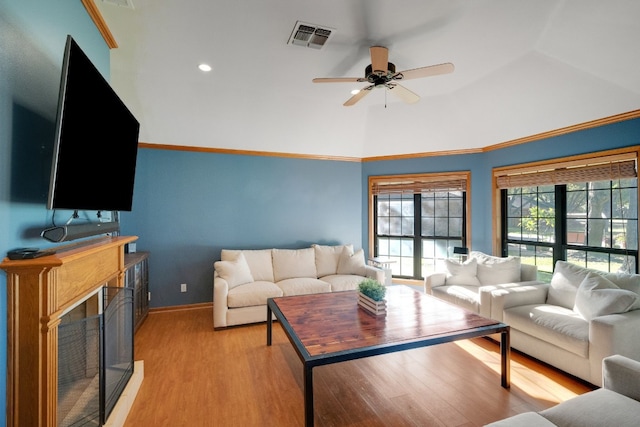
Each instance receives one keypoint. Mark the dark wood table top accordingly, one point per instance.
(331, 323)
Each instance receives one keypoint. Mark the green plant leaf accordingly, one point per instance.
(373, 289)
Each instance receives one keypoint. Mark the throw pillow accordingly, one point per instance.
(493, 270)
(327, 258)
(598, 296)
(461, 274)
(352, 262)
(235, 272)
(259, 260)
(564, 284)
(628, 281)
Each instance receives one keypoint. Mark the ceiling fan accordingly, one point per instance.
(381, 74)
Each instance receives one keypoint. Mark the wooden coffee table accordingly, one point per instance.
(330, 328)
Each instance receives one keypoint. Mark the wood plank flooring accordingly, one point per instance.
(195, 376)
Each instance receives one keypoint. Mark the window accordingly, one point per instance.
(417, 220)
(584, 211)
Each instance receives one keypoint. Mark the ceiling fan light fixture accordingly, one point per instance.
(354, 91)
(204, 67)
(381, 74)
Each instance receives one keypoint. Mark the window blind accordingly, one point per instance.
(417, 186)
(607, 171)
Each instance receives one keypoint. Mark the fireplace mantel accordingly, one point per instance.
(39, 290)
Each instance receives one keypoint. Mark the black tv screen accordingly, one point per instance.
(96, 145)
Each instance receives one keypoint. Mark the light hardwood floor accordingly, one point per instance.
(195, 376)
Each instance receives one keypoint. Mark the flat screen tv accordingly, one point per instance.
(96, 142)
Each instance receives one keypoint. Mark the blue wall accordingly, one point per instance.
(32, 39)
(190, 205)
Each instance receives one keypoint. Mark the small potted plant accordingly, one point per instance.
(371, 296)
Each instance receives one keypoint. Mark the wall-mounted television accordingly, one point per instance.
(96, 142)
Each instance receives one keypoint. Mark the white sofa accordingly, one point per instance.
(575, 321)
(617, 403)
(245, 279)
(469, 284)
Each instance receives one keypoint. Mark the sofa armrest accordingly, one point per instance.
(622, 375)
(220, 292)
(525, 293)
(375, 273)
(613, 334)
(432, 280)
(486, 296)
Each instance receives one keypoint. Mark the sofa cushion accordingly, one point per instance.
(327, 258)
(235, 272)
(343, 282)
(291, 263)
(598, 296)
(557, 325)
(595, 409)
(494, 270)
(463, 274)
(564, 284)
(467, 297)
(259, 261)
(251, 294)
(352, 262)
(303, 286)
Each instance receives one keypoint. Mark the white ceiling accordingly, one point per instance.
(523, 67)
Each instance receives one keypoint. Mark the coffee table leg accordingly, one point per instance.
(505, 356)
(308, 396)
(269, 324)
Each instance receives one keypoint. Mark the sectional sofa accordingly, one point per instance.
(245, 279)
(572, 323)
(617, 403)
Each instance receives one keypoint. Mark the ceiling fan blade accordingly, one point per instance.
(358, 96)
(432, 70)
(379, 59)
(339, 80)
(403, 93)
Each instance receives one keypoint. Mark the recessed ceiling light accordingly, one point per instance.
(204, 67)
(353, 92)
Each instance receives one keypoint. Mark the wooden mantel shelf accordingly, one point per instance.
(69, 252)
(39, 290)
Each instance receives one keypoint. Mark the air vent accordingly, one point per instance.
(310, 35)
(122, 3)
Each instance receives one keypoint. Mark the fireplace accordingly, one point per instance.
(95, 357)
(70, 336)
